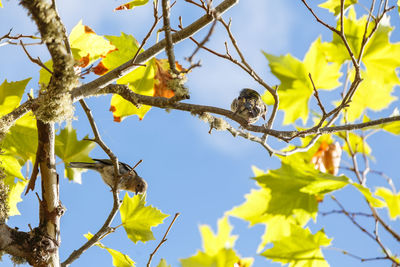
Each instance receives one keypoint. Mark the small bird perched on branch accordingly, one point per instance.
(129, 179)
(249, 105)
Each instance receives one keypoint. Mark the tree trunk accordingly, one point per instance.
(50, 206)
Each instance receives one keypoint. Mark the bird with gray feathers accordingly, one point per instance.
(129, 179)
(249, 105)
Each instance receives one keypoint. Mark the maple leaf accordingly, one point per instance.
(380, 60)
(87, 46)
(131, 5)
(302, 248)
(119, 259)
(138, 219)
(327, 158)
(392, 201)
(162, 77)
(296, 89)
(11, 94)
(69, 148)
(218, 248)
(334, 6)
(100, 69)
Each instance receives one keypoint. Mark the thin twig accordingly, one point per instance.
(104, 230)
(156, 20)
(16, 37)
(317, 96)
(204, 41)
(37, 60)
(169, 47)
(364, 38)
(352, 219)
(97, 138)
(202, 5)
(245, 66)
(353, 214)
(356, 256)
(354, 159)
(96, 85)
(318, 19)
(377, 21)
(366, 160)
(373, 210)
(357, 79)
(163, 240)
(387, 178)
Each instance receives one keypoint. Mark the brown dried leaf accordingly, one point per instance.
(100, 69)
(162, 77)
(84, 61)
(89, 30)
(327, 158)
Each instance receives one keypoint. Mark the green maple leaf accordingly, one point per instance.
(391, 127)
(254, 211)
(224, 258)
(138, 219)
(69, 148)
(12, 169)
(356, 143)
(131, 4)
(119, 259)
(398, 5)
(289, 195)
(163, 263)
(255, 207)
(218, 248)
(334, 5)
(380, 59)
(212, 243)
(375, 202)
(11, 94)
(126, 47)
(392, 201)
(44, 75)
(86, 43)
(140, 80)
(373, 93)
(296, 89)
(301, 248)
(14, 196)
(21, 140)
(297, 185)
(11, 166)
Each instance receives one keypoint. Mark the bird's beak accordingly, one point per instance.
(263, 116)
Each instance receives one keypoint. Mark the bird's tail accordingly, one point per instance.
(84, 165)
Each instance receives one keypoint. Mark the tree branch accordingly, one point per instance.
(163, 240)
(169, 48)
(98, 139)
(92, 87)
(15, 243)
(35, 60)
(373, 210)
(161, 102)
(344, 252)
(104, 230)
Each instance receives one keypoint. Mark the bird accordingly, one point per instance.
(249, 105)
(129, 179)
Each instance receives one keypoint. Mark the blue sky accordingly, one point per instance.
(188, 170)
